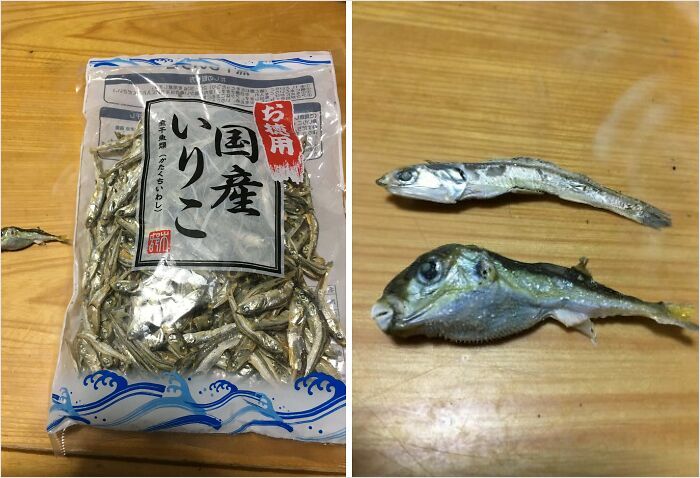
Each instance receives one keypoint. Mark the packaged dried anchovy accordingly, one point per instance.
(209, 273)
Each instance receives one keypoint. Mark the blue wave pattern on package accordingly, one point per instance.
(110, 400)
(278, 64)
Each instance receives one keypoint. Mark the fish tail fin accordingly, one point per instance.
(654, 217)
(677, 314)
(63, 239)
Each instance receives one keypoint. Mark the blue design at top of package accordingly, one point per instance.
(193, 61)
(128, 115)
(152, 406)
(203, 79)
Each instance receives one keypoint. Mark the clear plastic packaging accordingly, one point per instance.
(208, 295)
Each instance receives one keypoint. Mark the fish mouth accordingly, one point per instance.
(383, 315)
(411, 191)
(388, 319)
(383, 182)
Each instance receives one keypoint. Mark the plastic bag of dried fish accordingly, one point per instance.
(209, 250)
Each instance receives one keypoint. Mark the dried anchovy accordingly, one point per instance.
(15, 238)
(451, 182)
(191, 321)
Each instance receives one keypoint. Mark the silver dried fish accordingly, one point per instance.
(452, 182)
(172, 318)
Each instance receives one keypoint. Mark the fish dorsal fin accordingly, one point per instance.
(582, 267)
(528, 161)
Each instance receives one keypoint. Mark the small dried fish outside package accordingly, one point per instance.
(17, 239)
(209, 250)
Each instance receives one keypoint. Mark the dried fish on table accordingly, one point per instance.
(468, 294)
(172, 318)
(16, 238)
(451, 182)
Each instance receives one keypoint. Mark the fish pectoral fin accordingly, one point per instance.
(587, 329)
(575, 320)
(525, 191)
(582, 267)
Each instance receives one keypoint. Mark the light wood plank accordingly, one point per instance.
(19, 463)
(45, 47)
(606, 89)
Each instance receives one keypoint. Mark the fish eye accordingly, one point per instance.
(429, 271)
(406, 175)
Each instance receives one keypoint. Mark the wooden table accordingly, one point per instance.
(609, 90)
(44, 50)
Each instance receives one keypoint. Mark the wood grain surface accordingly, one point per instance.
(606, 89)
(45, 47)
(19, 463)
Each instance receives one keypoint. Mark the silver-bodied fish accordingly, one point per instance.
(208, 322)
(16, 238)
(469, 294)
(452, 182)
